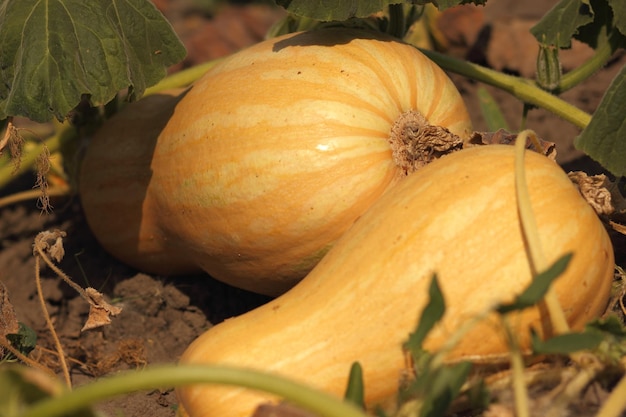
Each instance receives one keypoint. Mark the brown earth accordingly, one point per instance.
(162, 315)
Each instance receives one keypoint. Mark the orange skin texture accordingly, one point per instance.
(114, 186)
(458, 218)
(266, 161)
(292, 138)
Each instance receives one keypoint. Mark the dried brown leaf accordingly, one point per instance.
(604, 196)
(504, 137)
(593, 189)
(51, 243)
(100, 311)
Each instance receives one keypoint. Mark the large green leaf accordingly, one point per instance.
(328, 10)
(558, 26)
(619, 14)
(340, 10)
(604, 138)
(602, 28)
(55, 51)
(589, 21)
(444, 4)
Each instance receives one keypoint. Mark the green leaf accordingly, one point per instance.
(538, 287)
(432, 313)
(355, 391)
(329, 10)
(491, 111)
(436, 385)
(341, 10)
(597, 33)
(566, 343)
(445, 4)
(55, 51)
(619, 13)
(604, 138)
(558, 26)
(610, 325)
(24, 340)
(443, 386)
(613, 346)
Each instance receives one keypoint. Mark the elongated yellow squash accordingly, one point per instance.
(457, 218)
(268, 158)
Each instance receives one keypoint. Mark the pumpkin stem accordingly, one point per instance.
(416, 143)
(531, 233)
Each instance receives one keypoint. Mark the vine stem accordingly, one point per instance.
(41, 254)
(125, 383)
(46, 314)
(182, 78)
(523, 89)
(530, 231)
(56, 191)
(520, 392)
(396, 20)
(600, 57)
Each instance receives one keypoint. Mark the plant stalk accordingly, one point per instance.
(600, 57)
(397, 23)
(325, 405)
(56, 191)
(53, 333)
(537, 257)
(520, 392)
(523, 89)
(181, 78)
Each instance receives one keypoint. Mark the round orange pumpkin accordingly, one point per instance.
(271, 156)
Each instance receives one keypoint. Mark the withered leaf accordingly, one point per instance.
(51, 242)
(594, 190)
(100, 311)
(504, 137)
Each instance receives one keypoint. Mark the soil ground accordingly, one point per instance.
(162, 315)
